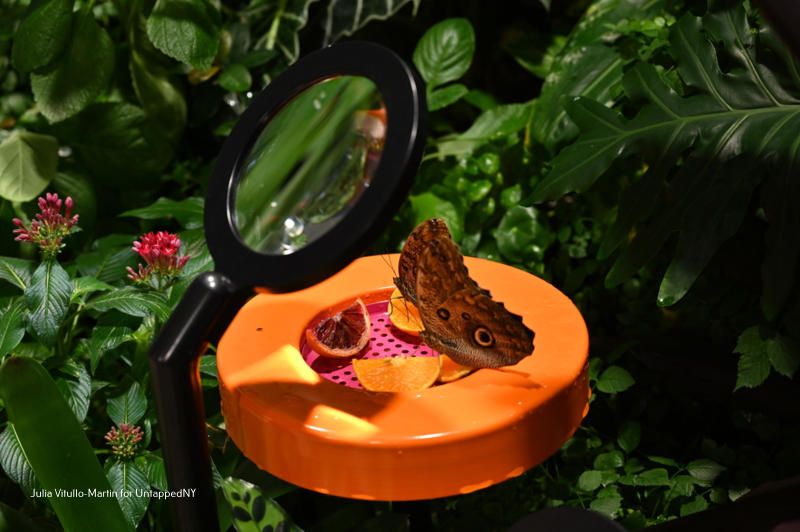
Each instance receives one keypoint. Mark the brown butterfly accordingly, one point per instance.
(460, 319)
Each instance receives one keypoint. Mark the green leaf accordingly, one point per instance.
(104, 338)
(17, 271)
(235, 78)
(521, 236)
(681, 486)
(107, 258)
(47, 298)
(131, 301)
(494, 123)
(188, 212)
(12, 327)
(14, 462)
(729, 132)
(42, 417)
(449, 95)
(784, 355)
(630, 434)
(445, 52)
(428, 205)
(590, 480)
(28, 163)
(653, 477)
(705, 470)
(614, 380)
(79, 77)
(118, 143)
(126, 478)
(42, 35)
(609, 460)
(158, 93)
(186, 30)
(606, 505)
(584, 66)
(129, 407)
(345, 17)
(698, 504)
(252, 511)
(81, 190)
(153, 467)
(88, 285)
(76, 387)
(754, 363)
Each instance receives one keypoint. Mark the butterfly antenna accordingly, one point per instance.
(389, 264)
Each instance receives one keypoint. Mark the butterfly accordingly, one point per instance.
(460, 319)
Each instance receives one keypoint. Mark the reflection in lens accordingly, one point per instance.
(310, 164)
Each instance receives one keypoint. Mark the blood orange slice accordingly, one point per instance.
(342, 335)
(409, 374)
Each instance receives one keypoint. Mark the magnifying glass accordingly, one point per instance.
(312, 173)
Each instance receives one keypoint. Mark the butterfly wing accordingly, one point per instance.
(417, 244)
(460, 319)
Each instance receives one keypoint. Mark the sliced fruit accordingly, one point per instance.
(452, 370)
(403, 314)
(344, 334)
(408, 374)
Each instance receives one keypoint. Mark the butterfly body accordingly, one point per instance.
(460, 319)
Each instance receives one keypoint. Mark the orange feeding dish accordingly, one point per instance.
(307, 420)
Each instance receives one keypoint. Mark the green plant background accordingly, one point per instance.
(639, 154)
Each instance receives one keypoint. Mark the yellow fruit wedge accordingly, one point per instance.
(452, 370)
(403, 314)
(407, 374)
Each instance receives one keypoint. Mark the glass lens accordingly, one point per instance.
(310, 164)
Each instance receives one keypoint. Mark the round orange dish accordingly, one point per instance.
(450, 439)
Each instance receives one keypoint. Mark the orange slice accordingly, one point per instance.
(342, 335)
(403, 314)
(452, 370)
(408, 374)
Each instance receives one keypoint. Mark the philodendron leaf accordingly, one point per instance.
(12, 327)
(729, 133)
(129, 407)
(28, 163)
(14, 462)
(47, 298)
(585, 66)
(345, 17)
(252, 511)
(186, 30)
(57, 448)
(42, 35)
(445, 52)
(80, 76)
(127, 480)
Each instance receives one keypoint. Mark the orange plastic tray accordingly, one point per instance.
(449, 439)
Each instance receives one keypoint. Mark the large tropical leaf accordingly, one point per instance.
(345, 17)
(706, 152)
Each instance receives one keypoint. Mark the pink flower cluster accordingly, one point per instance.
(163, 263)
(124, 441)
(49, 227)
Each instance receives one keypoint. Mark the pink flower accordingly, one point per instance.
(163, 263)
(124, 441)
(49, 226)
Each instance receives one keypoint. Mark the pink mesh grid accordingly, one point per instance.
(385, 341)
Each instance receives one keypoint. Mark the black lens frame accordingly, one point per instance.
(403, 95)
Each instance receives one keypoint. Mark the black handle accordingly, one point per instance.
(207, 308)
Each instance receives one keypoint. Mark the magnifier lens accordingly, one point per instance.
(310, 164)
